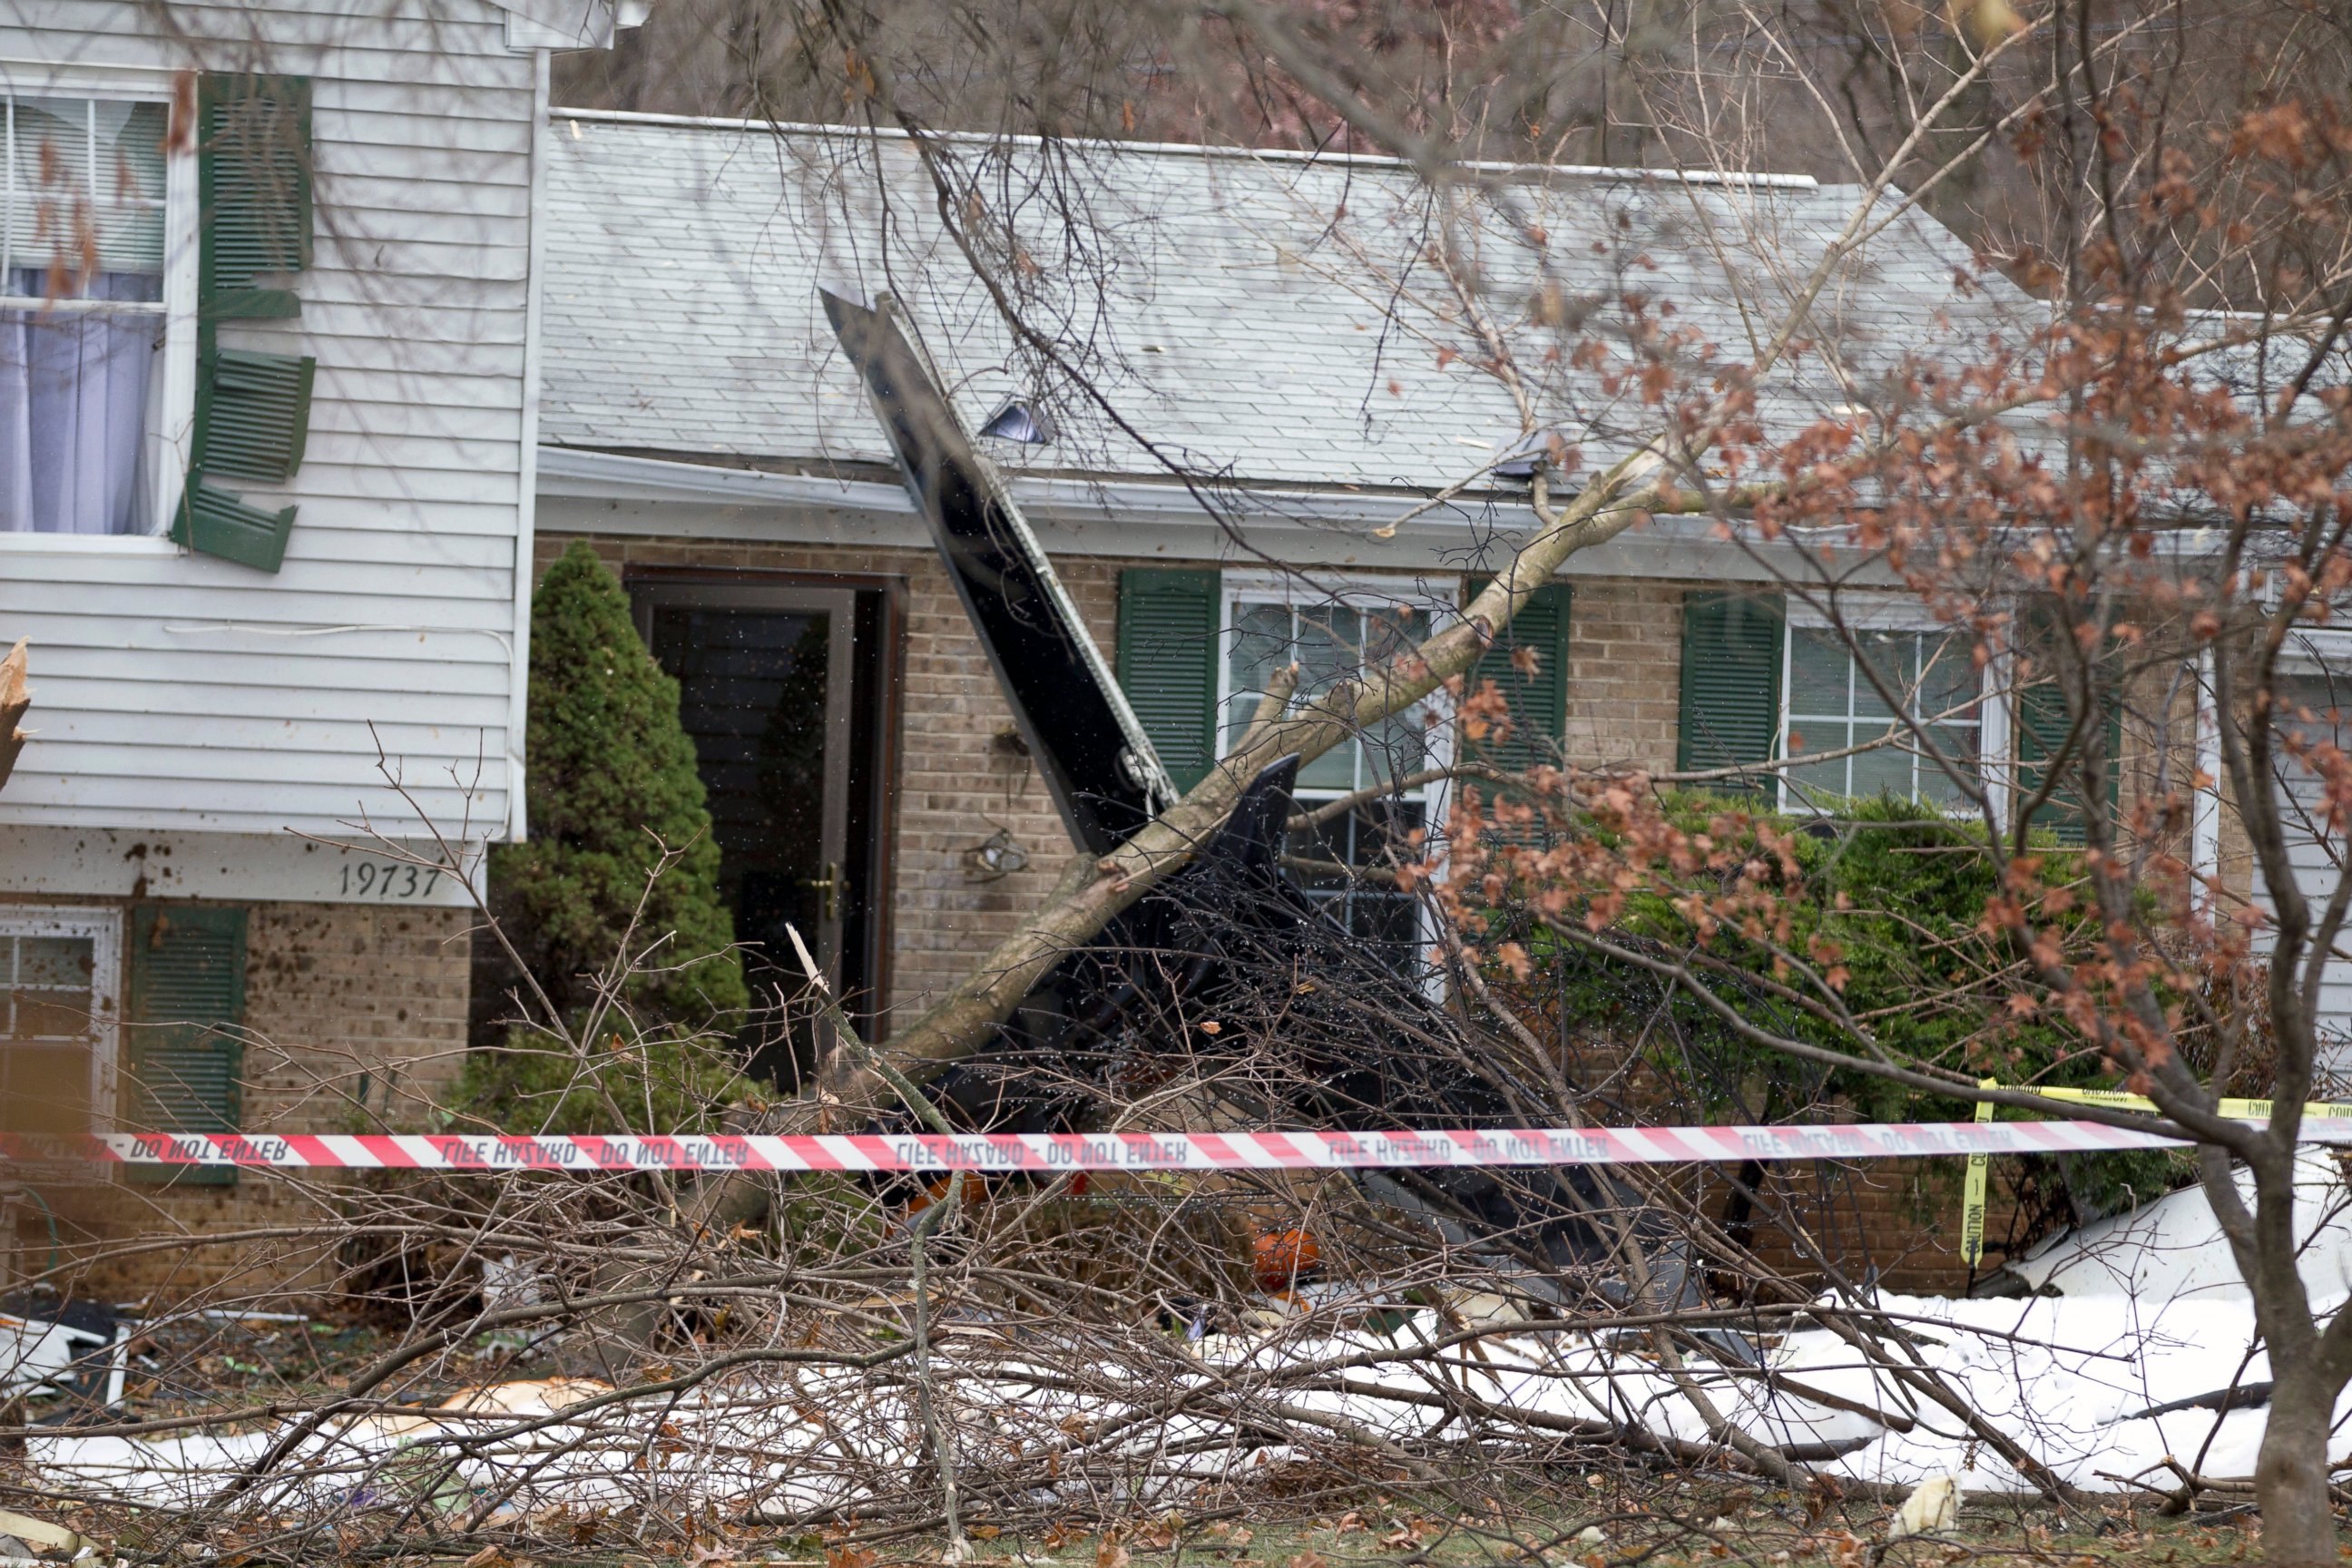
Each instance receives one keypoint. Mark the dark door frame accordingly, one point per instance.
(746, 586)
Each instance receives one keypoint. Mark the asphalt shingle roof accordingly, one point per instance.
(1272, 319)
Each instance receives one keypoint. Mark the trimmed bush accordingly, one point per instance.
(1897, 892)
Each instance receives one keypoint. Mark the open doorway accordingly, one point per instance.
(787, 687)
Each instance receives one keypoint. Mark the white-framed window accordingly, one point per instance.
(98, 259)
(1830, 703)
(1333, 635)
(59, 971)
(2314, 709)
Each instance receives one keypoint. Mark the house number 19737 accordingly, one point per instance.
(375, 879)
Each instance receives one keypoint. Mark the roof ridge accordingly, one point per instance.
(1192, 150)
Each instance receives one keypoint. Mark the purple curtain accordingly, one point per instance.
(73, 410)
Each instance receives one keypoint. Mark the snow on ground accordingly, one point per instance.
(2146, 1314)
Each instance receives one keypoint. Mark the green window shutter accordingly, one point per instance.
(253, 410)
(253, 415)
(253, 180)
(183, 1016)
(1168, 626)
(213, 523)
(1732, 651)
(1538, 703)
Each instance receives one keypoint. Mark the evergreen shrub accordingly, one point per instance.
(612, 786)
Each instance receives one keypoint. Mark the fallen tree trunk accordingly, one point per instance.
(846, 1092)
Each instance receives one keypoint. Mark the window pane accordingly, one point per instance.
(48, 181)
(1948, 676)
(54, 960)
(1327, 646)
(1892, 656)
(1397, 746)
(45, 1062)
(84, 193)
(1886, 771)
(1811, 781)
(1817, 674)
(52, 1014)
(1261, 645)
(73, 408)
(1390, 631)
(1371, 836)
(129, 198)
(1957, 742)
(44, 1088)
(1329, 643)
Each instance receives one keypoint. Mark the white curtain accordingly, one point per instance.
(73, 409)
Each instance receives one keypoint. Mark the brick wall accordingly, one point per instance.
(1624, 675)
(960, 781)
(341, 1001)
(1895, 1221)
(362, 1009)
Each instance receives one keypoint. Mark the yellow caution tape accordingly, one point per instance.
(1972, 1205)
(2236, 1110)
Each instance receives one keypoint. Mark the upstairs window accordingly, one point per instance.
(87, 240)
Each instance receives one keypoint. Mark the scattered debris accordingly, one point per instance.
(2221, 1401)
(1933, 1509)
(2071, 1378)
(53, 1349)
(36, 1535)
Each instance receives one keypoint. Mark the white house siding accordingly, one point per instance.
(2316, 854)
(179, 695)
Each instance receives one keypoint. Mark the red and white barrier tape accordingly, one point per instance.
(1049, 1153)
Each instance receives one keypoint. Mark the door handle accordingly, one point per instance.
(828, 889)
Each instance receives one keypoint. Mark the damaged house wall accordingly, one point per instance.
(307, 571)
(354, 1018)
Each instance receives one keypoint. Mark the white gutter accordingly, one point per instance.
(655, 497)
(527, 476)
(603, 476)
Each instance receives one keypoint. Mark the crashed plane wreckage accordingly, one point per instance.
(1348, 1037)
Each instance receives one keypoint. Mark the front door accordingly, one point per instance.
(773, 677)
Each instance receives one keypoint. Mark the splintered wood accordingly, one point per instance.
(16, 700)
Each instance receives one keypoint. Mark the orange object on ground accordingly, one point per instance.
(1283, 1257)
(975, 1191)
